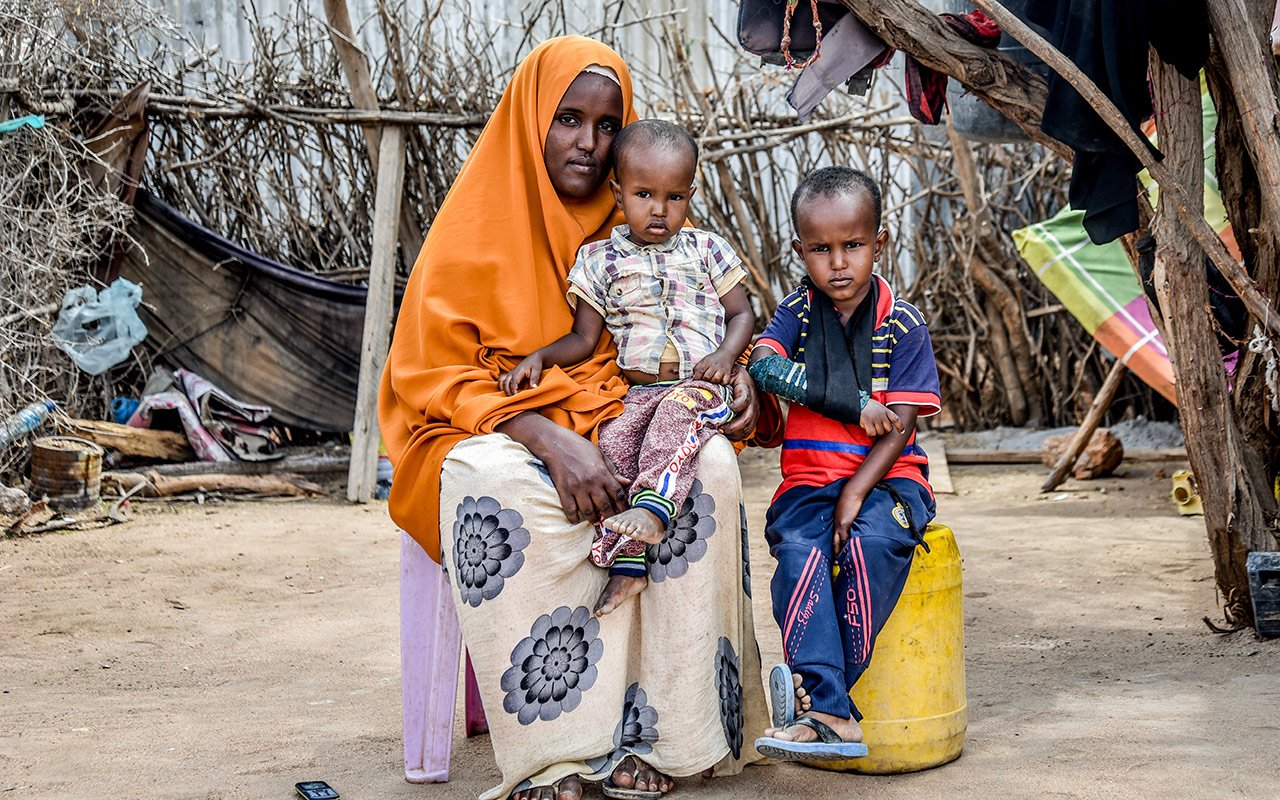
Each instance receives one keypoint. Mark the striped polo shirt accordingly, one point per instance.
(818, 450)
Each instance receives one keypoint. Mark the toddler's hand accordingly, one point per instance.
(715, 368)
(530, 369)
(878, 420)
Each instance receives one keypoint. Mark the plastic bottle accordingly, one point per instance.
(25, 421)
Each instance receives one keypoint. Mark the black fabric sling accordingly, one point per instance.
(837, 359)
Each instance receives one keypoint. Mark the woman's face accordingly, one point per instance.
(577, 149)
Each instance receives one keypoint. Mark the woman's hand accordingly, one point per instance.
(744, 406)
(589, 489)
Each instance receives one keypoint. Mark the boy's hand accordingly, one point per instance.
(529, 369)
(847, 508)
(715, 368)
(878, 420)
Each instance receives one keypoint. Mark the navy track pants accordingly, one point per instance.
(829, 625)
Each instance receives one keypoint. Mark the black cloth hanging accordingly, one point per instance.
(837, 358)
(1108, 41)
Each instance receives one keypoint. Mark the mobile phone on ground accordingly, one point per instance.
(316, 790)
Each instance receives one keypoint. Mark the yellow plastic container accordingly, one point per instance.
(1185, 494)
(912, 696)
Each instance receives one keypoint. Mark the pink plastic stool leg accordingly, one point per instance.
(476, 722)
(430, 646)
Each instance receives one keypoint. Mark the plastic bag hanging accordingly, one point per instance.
(99, 329)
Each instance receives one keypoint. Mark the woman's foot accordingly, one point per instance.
(618, 589)
(638, 523)
(569, 788)
(847, 729)
(632, 773)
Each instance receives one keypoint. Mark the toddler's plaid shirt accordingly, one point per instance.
(653, 294)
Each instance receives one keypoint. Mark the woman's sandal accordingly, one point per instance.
(829, 747)
(616, 792)
(613, 790)
(782, 696)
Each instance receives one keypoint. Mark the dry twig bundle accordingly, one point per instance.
(269, 153)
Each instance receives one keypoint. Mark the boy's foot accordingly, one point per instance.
(638, 523)
(803, 701)
(617, 590)
(788, 698)
(848, 729)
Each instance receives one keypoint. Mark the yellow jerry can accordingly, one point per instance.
(912, 697)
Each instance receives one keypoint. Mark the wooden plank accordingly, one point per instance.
(135, 442)
(301, 464)
(988, 456)
(939, 469)
(377, 319)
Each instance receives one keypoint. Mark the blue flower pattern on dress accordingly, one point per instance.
(540, 467)
(488, 548)
(686, 538)
(746, 551)
(553, 666)
(729, 686)
(638, 728)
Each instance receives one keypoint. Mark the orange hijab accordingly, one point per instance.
(488, 288)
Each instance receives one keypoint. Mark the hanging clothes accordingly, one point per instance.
(926, 88)
(1108, 41)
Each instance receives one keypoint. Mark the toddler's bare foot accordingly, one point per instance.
(848, 729)
(617, 590)
(637, 523)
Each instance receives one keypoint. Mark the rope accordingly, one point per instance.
(786, 34)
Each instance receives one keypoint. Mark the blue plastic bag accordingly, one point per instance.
(99, 329)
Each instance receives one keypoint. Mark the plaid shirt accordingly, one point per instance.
(654, 294)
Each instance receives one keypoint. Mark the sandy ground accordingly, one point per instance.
(229, 651)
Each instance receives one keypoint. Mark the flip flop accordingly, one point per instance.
(782, 696)
(829, 747)
(613, 790)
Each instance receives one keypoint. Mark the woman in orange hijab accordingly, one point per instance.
(501, 490)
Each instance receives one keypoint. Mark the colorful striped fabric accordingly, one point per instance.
(1097, 284)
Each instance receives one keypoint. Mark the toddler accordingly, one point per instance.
(671, 298)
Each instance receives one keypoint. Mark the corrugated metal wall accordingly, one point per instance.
(223, 22)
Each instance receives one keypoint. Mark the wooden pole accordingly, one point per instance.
(355, 65)
(1180, 200)
(377, 316)
(1091, 420)
(1234, 515)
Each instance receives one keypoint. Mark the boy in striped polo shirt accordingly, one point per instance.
(859, 367)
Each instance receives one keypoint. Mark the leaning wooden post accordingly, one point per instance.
(377, 315)
(1091, 420)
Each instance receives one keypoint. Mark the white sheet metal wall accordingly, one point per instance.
(709, 24)
(223, 22)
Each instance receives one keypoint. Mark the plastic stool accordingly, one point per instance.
(430, 646)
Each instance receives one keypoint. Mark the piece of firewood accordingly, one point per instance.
(136, 442)
(282, 484)
(1100, 457)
